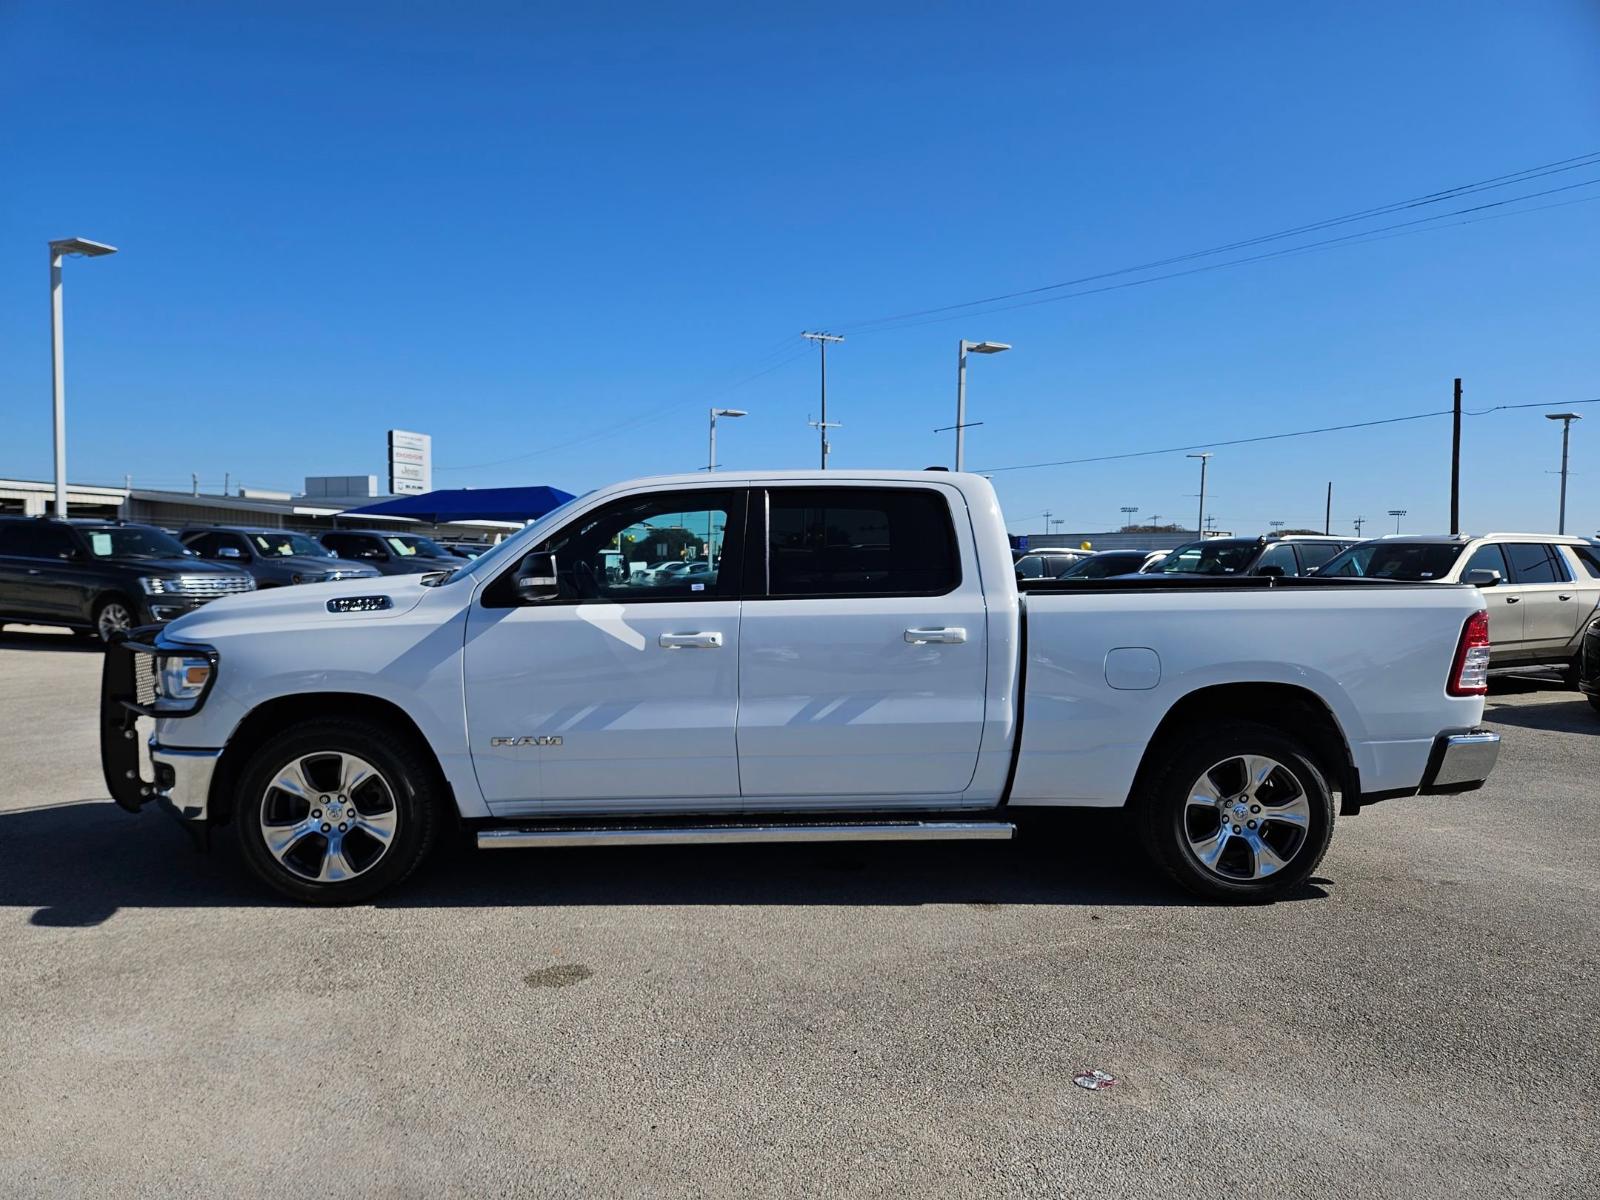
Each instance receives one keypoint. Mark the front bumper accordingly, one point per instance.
(182, 776)
(1461, 760)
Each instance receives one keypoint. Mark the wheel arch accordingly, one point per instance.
(1282, 706)
(273, 716)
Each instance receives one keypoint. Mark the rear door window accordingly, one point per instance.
(37, 539)
(1535, 562)
(843, 541)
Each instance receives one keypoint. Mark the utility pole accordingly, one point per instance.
(1047, 520)
(227, 481)
(1566, 420)
(1327, 513)
(1455, 465)
(194, 482)
(1201, 520)
(1360, 521)
(821, 425)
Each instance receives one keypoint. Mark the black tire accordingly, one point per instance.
(105, 620)
(410, 800)
(1594, 701)
(1203, 757)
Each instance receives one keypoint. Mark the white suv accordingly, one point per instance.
(1542, 588)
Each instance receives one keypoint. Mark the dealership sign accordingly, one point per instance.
(410, 463)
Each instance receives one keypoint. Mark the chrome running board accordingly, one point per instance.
(733, 834)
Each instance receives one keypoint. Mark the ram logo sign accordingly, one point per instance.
(525, 741)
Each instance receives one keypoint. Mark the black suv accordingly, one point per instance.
(274, 557)
(391, 553)
(97, 577)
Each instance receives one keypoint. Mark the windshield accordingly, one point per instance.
(282, 545)
(495, 553)
(1411, 561)
(134, 541)
(412, 545)
(1217, 557)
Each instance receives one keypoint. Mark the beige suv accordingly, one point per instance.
(1542, 588)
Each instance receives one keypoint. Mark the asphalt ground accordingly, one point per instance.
(1420, 1020)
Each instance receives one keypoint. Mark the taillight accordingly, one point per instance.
(1470, 674)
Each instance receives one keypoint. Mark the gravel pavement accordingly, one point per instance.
(1421, 1020)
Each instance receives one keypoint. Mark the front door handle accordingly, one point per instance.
(1564, 596)
(943, 637)
(1513, 599)
(691, 641)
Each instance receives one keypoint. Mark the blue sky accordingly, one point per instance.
(555, 235)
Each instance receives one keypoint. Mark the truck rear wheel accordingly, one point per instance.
(334, 811)
(1239, 813)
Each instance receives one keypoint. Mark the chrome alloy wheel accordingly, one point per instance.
(328, 816)
(114, 617)
(1246, 818)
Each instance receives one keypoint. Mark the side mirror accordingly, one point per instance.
(536, 578)
(1482, 577)
(1271, 572)
(229, 552)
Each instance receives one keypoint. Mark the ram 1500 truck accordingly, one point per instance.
(851, 659)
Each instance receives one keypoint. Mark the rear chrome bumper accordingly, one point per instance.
(1461, 761)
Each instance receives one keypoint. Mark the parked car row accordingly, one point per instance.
(96, 577)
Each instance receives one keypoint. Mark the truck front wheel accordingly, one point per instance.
(1239, 813)
(334, 811)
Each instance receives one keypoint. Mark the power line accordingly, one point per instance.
(1363, 235)
(1576, 162)
(1271, 437)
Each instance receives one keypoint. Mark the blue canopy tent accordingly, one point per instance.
(469, 504)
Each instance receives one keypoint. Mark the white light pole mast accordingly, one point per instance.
(58, 372)
(1566, 420)
(1200, 524)
(961, 392)
(715, 413)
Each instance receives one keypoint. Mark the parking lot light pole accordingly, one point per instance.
(1397, 513)
(1566, 420)
(715, 413)
(59, 249)
(1200, 521)
(961, 391)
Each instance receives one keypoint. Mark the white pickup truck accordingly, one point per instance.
(850, 658)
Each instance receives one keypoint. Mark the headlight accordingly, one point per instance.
(181, 681)
(153, 585)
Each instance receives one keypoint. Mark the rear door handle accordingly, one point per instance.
(1513, 599)
(691, 641)
(944, 637)
(1564, 596)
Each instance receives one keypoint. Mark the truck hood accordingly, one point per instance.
(172, 564)
(296, 607)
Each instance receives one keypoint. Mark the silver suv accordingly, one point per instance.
(1542, 588)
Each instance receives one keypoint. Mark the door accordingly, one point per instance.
(46, 575)
(863, 647)
(623, 690)
(1584, 563)
(1503, 601)
(1549, 600)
